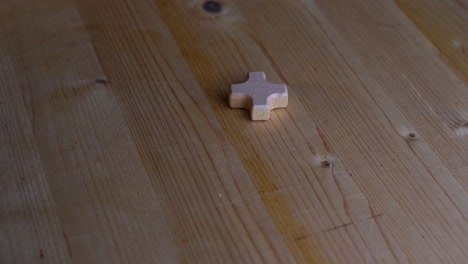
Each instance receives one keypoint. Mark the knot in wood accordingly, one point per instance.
(212, 7)
(258, 96)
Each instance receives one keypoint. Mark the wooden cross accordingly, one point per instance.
(258, 96)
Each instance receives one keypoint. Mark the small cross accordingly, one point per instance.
(258, 96)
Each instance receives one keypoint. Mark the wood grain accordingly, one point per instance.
(445, 24)
(118, 144)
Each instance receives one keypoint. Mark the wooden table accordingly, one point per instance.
(118, 145)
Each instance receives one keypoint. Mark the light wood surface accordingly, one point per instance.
(118, 145)
(258, 96)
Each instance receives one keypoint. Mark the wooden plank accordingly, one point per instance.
(118, 120)
(212, 204)
(441, 91)
(445, 24)
(409, 70)
(30, 230)
(443, 108)
(319, 69)
(105, 201)
(212, 41)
